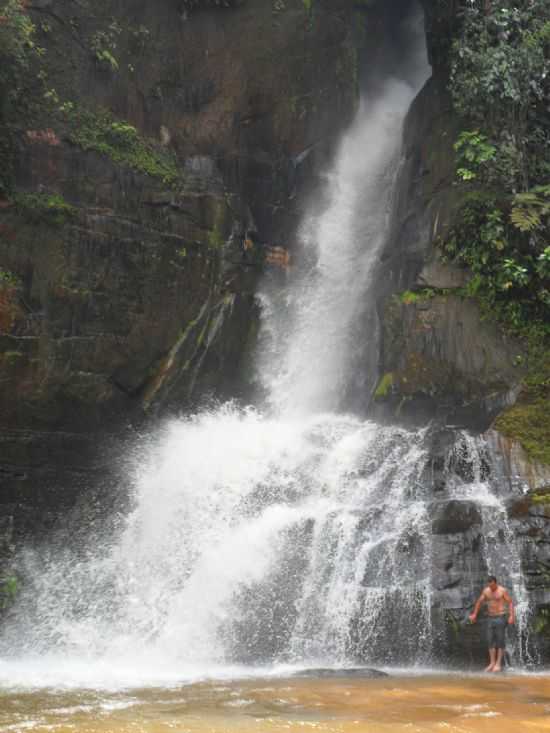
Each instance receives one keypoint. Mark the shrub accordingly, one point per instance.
(500, 84)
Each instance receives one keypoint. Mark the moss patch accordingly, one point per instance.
(8, 591)
(541, 496)
(529, 423)
(415, 296)
(46, 208)
(10, 357)
(215, 238)
(219, 214)
(409, 297)
(121, 142)
(384, 386)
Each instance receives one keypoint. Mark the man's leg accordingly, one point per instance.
(500, 639)
(492, 659)
(491, 644)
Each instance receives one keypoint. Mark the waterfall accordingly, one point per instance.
(292, 533)
(320, 331)
(317, 342)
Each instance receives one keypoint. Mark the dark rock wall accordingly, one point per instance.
(129, 293)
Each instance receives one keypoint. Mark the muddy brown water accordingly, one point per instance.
(456, 704)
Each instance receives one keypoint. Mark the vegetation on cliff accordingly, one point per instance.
(500, 83)
(121, 142)
(18, 51)
(44, 208)
(500, 86)
(529, 423)
(27, 100)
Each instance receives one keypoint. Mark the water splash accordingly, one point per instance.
(300, 535)
(245, 531)
(258, 540)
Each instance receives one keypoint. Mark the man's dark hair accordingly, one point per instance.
(492, 579)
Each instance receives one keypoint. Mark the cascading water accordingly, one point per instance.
(318, 325)
(300, 535)
(499, 550)
(320, 335)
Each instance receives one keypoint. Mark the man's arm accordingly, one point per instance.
(511, 612)
(480, 600)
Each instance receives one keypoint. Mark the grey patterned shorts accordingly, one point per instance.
(496, 632)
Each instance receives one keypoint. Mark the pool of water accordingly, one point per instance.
(452, 703)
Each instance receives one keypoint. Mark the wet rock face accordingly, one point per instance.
(528, 509)
(529, 518)
(440, 356)
(454, 516)
(442, 359)
(127, 290)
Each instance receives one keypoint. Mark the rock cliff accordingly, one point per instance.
(151, 140)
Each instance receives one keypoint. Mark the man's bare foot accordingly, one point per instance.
(496, 668)
(490, 668)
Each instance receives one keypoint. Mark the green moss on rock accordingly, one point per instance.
(121, 142)
(408, 297)
(411, 297)
(215, 238)
(9, 589)
(384, 386)
(46, 208)
(541, 496)
(528, 422)
(10, 357)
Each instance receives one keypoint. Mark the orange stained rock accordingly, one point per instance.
(278, 256)
(48, 137)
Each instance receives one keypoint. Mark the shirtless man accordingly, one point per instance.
(496, 597)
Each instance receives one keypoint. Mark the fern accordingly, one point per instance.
(525, 218)
(530, 208)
